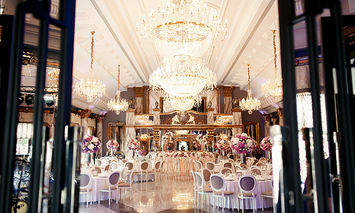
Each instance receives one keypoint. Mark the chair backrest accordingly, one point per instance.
(226, 171)
(206, 175)
(162, 165)
(199, 180)
(260, 164)
(85, 180)
(114, 166)
(238, 167)
(228, 165)
(270, 173)
(200, 166)
(262, 159)
(194, 179)
(255, 171)
(129, 165)
(247, 183)
(157, 165)
(107, 167)
(98, 162)
(97, 169)
(144, 166)
(113, 178)
(217, 183)
(210, 166)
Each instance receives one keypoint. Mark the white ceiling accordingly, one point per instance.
(117, 42)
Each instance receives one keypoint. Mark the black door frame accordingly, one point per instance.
(291, 187)
(40, 10)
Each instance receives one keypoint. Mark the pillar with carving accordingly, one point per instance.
(237, 120)
(99, 124)
(267, 119)
(130, 130)
(210, 119)
(156, 139)
(84, 120)
(139, 93)
(210, 137)
(227, 99)
(156, 116)
(281, 116)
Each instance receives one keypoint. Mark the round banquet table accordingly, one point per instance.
(232, 186)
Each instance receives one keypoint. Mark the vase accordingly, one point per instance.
(111, 152)
(92, 160)
(242, 158)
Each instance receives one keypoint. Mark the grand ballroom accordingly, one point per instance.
(178, 106)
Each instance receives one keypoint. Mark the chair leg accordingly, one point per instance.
(87, 199)
(262, 203)
(242, 205)
(99, 197)
(109, 198)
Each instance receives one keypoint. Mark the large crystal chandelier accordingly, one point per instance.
(250, 103)
(118, 104)
(274, 88)
(182, 76)
(183, 26)
(90, 88)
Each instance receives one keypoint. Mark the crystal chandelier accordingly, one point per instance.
(90, 88)
(250, 103)
(182, 76)
(183, 103)
(183, 25)
(118, 104)
(274, 88)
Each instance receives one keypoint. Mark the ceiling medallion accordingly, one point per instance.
(250, 103)
(274, 88)
(182, 76)
(90, 88)
(118, 104)
(183, 25)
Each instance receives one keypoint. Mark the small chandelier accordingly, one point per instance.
(90, 88)
(182, 76)
(183, 26)
(250, 103)
(274, 88)
(118, 104)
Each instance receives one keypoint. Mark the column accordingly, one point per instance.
(156, 116)
(99, 124)
(130, 130)
(281, 116)
(210, 137)
(227, 99)
(84, 120)
(139, 93)
(267, 124)
(210, 119)
(237, 120)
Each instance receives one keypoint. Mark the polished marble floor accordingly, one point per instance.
(171, 194)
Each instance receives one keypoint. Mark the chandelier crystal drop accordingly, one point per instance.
(274, 88)
(118, 104)
(250, 104)
(182, 76)
(183, 25)
(90, 88)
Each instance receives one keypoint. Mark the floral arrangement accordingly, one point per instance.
(91, 144)
(223, 145)
(266, 144)
(133, 144)
(142, 152)
(202, 139)
(112, 144)
(242, 144)
(196, 144)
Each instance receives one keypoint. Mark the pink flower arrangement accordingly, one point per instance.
(133, 144)
(242, 144)
(223, 145)
(91, 144)
(202, 139)
(196, 144)
(142, 152)
(266, 144)
(112, 144)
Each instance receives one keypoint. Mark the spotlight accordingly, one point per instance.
(29, 99)
(21, 99)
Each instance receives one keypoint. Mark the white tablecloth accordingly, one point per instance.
(232, 186)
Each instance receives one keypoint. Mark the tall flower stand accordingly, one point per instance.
(268, 154)
(242, 158)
